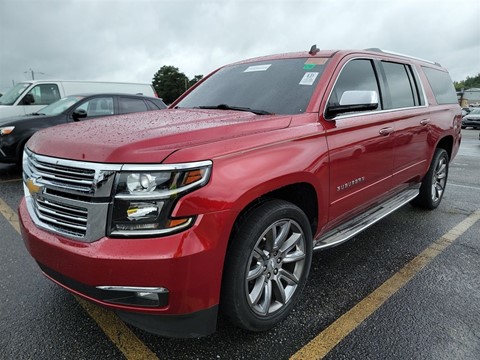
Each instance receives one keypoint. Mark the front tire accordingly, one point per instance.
(267, 265)
(434, 182)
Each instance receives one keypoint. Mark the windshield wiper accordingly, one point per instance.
(35, 113)
(236, 108)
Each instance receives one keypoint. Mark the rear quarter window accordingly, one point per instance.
(442, 86)
(128, 105)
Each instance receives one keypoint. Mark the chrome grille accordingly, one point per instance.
(63, 176)
(67, 219)
(68, 197)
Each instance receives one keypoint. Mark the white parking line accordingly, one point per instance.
(464, 186)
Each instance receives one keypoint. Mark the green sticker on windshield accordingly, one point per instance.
(308, 66)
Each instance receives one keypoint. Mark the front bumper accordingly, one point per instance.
(188, 264)
(8, 149)
(471, 122)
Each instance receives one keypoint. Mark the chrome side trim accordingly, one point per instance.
(349, 229)
(402, 55)
(350, 115)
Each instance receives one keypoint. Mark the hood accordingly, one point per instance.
(12, 120)
(10, 110)
(148, 137)
(472, 116)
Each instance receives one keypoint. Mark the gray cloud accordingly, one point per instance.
(131, 40)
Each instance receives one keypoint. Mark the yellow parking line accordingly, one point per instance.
(133, 348)
(125, 340)
(324, 342)
(10, 215)
(115, 329)
(9, 181)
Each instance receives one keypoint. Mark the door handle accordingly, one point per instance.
(386, 131)
(425, 122)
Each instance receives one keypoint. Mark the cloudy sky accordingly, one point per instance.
(129, 40)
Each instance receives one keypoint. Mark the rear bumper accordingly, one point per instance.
(188, 265)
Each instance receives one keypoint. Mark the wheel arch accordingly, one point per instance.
(446, 143)
(20, 147)
(238, 261)
(301, 194)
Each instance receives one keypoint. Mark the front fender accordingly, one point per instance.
(240, 179)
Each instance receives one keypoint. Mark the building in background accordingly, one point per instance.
(470, 97)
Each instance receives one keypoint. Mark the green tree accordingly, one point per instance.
(169, 83)
(468, 83)
(194, 80)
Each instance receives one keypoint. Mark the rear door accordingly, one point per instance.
(405, 99)
(360, 145)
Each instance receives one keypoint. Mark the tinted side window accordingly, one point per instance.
(152, 105)
(398, 83)
(356, 75)
(45, 94)
(98, 107)
(441, 85)
(127, 105)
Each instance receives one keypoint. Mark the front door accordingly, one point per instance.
(360, 147)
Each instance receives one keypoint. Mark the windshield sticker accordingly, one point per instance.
(316, 61)
(308, 78)
(254, 68)
(308, 66)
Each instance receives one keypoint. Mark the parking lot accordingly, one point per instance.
(406, 288)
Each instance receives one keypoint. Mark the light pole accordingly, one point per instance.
(33, 73)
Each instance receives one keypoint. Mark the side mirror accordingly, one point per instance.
(79, 114)
(355, 100)
(28, 100)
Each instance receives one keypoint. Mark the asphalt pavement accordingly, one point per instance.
(406, 288)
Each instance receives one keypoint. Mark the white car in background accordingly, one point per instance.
(30, 96)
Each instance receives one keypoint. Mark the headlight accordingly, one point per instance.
(144, 197)
(6, 130)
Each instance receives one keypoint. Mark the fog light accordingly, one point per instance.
(135, 296)
(147, 295)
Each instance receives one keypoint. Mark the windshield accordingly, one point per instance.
(60, 106)
(277, 86)
(475, 111)
(13, 94)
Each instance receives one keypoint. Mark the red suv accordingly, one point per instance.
(223, 197)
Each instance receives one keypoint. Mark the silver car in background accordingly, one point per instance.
(472, 119)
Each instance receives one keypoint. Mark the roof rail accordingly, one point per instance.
(402, 55)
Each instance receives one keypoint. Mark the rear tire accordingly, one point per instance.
(267, 265)
(434, 182)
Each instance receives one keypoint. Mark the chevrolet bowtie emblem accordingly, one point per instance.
(33, 187)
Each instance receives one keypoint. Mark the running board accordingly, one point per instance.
(352, 227)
